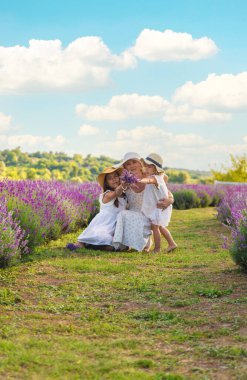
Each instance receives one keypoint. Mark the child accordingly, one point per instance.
(99, 233)
(155, 190)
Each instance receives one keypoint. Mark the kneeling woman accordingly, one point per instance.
(99, 233)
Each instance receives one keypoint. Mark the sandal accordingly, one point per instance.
(72, 246)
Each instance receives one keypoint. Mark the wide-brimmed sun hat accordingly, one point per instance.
(128, 156)
(156, 160)
(109, 170)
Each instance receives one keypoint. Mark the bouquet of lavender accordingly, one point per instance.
(128, 177)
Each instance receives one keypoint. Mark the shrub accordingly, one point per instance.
(29, 221)
(12, 237)
(238, 248)
(185, 199)
(215, 200)
(205, 199)
(232, 211)
(45, 210)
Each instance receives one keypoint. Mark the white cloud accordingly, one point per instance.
(5, 122)
(189, 139)
(222, 92)
(87, 130)
(158, 137)
(124, 106)
(142, 133)
(177, 150)
(32, 141)
(153, 45)
(85, 63)
(245, 139)
(214, 149)
(186, 114)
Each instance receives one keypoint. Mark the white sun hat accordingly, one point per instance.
(156, 160)
(128, 156)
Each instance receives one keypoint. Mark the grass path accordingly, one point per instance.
(127, 316)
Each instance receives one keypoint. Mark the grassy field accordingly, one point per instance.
(98, 315)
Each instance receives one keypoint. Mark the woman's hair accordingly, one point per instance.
(107, 187)
(134, 159)
(141, 164)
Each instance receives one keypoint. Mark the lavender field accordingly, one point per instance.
(34, 212)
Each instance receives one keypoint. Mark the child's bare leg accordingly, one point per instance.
(149, 244)
(167, 235)
(156, 234)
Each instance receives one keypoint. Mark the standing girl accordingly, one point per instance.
(99, 233)
(155, 190)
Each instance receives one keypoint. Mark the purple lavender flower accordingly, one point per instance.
(44, 210)
(12, 237)
(71, 246)
(128, 177)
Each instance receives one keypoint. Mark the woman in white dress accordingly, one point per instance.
(133, 228)
(99, 233)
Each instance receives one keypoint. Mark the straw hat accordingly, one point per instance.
(101, 176)
(128, 156)
(156, 160)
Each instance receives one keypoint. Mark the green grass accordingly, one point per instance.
(127, 316)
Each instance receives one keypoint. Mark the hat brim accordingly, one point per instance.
(134, 157)
(159, 170)
(101, 176)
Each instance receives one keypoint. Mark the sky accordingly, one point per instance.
(108, 77)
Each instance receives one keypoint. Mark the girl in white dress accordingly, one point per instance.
(99, 233)
(155, 190)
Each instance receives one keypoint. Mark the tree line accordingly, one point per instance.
(15, 164)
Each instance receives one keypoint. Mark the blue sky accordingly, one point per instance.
(106, 77)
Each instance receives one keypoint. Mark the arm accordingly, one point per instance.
(165, 202)
(110, 195)
(165, 178)
(149, 181)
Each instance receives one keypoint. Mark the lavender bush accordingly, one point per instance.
(238, 248)
(13, 239)
(209, 195)
(232, 211)
(47, 209)
(185, 199)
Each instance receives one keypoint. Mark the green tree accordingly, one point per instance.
(178, 176)
(11, 158)
(32, 174)
(2, 168)
(78, 159)
(236, 173)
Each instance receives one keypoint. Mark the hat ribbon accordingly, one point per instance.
(154, 162)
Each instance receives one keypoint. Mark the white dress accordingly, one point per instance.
(152, 194)
(133, 228)
(101, 229)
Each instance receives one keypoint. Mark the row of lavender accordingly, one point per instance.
(232, 211)
(231, 206)
(193, 195)
(34, 212)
